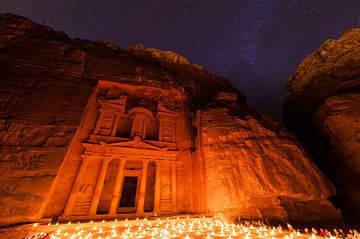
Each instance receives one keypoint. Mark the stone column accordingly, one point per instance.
(157, 187)
(99, 185)
(78, 182)
(117, 189)
(173, 133)
(173, 187)
(141, 201)
(160, 130)
(145, 128)
(116, 124)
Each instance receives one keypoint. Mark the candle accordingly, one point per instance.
(196, 227)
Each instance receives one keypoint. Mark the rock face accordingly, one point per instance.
(323, 110)
(51, 98)
(254, 164)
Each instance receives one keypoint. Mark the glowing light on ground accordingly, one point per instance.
(205, 227)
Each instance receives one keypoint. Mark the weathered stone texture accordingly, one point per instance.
(338, 119)
(240, 163)
(332, 69)
(256, 165)
(323, 110)
(46, 80)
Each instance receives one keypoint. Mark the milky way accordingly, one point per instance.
(256, 44)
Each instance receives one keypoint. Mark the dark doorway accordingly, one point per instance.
(128, 195)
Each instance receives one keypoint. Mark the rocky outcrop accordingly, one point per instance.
(338, 120)
(323, 110)
(46, 80)
(253, 163)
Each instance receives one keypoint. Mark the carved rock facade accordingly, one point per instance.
(130, 162)
(89, 130)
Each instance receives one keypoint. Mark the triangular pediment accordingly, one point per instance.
(136, 144)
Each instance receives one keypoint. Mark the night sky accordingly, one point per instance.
(256, 44)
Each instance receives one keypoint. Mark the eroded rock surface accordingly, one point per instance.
(338, 119)
(254, 167)
(46, 80)
(254, 164)
(323, 110)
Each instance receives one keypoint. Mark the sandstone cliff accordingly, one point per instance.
(46, 80)
(323, 110)
(255, 164)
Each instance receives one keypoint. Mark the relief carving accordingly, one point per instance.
(109, 109)
(167, 119)
(105, 122)
(138, 126)
(165, 192)
(140, 120)
(84, 198)
(165, 198)
(167, 131)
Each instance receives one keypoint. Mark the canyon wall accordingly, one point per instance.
(253, 164)
(46, 80)
(323, 109)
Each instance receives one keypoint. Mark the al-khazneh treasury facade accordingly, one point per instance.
(126, 154)
(145, 149)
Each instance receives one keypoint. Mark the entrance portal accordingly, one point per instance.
(128, 194)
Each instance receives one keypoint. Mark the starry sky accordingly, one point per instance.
(254, 43)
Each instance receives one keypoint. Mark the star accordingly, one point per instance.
(256, 44)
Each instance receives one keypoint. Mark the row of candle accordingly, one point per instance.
(205, 227)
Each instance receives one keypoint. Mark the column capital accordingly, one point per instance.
(106, 159)
(86, 157)
(159, 162)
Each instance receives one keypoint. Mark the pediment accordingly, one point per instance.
(136, 144)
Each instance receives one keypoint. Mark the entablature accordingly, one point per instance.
(135, 153)
(118, 105)
(96, 139)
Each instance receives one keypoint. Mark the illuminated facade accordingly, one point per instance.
(127, 153)
(144, 149)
